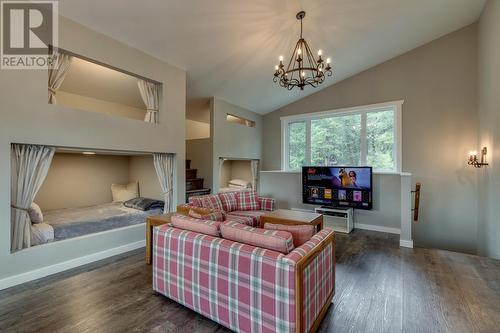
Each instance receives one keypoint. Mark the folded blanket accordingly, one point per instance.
(144, 204)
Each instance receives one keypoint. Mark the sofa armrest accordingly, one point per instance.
(314, 263)
(268, 204)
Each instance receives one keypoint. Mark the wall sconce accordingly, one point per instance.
(474, 161)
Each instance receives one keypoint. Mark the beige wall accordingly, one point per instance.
(438, 82)
(197, 130)
(489, 119)
(235, 170)
(75, 180)
(70, 100)
(233, 140)
(26, 117)
(142, 170)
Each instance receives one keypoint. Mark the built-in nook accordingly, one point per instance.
(238, 174)
(89, 85)
(89, 191)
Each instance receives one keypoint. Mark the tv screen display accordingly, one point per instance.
(337, 186)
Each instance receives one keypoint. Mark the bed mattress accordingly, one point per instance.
(75, 222)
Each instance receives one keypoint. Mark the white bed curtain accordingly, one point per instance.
(164, 166)
(150, 93)
(60, 63)
(30, 164)
(254, 168)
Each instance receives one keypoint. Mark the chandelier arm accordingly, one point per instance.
(310, 57)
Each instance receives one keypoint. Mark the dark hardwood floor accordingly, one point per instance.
(380, 288)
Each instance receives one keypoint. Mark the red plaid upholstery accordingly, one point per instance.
(242, 287)
(216, 215)
(253, 214)
(276, 240)
(195, 201)
(268, 204)
(301, 233)
(229, 201)
(247, 220)
(211, 201)
(248, 200)
(204, 226)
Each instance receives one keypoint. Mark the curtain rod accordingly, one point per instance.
(101, 150)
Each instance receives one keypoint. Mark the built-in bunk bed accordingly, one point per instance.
(60, 224)
(31, 162)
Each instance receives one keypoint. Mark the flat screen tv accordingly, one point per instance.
(338, 186)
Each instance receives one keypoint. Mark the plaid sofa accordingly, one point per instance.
(248, 217)
(246, 288)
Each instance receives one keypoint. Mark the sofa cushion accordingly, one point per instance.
(248, 200)
(229, 201)
(206, 227)
(276, 240)
(253, 214)
(246, 220)
(211, 201)
(301, 233)
(212, 215)
(195, 201)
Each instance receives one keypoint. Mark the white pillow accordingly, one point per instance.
(125, 192)
(240, 182)
(35, 213)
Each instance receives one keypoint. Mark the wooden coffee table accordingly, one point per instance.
(292, 217)
(154, 221)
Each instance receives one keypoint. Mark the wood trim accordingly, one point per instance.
(299, 270)
(151, 222)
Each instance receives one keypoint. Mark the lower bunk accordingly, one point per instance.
(60, 224)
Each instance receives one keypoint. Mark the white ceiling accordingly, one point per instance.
(229, 47)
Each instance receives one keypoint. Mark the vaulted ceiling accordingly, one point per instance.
(229, 47)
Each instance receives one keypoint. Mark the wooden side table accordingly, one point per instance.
(292, 217)
(154, 221)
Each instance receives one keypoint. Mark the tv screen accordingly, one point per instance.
(337, 186)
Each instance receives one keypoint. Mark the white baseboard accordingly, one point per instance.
(65, 265)
(406, 243)
(377, 228)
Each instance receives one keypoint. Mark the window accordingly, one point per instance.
(358, 136)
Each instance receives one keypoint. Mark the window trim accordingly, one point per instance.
(363, 110)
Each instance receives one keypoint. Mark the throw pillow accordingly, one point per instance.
(124, 192)
(35, 213)
(211, 201)
(276, 240)
(215, 215)
(211, 228)
(229, 201)
(300, 233)
(248, 200)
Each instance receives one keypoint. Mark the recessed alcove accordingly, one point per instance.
(89, 85)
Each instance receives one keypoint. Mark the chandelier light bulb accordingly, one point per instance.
(276, 67)
(299, 51)
(281, 58)
(320, 53)
(327, 60)
(303, 73)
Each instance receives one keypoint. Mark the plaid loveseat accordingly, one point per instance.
(243, 287)
(249, 216)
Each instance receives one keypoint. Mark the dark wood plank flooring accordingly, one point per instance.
(380, 288)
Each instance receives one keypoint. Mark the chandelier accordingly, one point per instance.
(302, 68)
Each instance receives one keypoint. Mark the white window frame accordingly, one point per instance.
(397, 106)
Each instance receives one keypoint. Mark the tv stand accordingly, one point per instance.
(340, 219)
